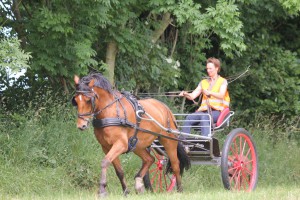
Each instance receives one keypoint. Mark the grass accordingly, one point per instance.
(48, 158)
(270, 193)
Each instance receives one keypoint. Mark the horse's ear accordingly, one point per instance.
(91, 84)
(76, 79)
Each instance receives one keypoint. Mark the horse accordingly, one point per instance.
(118, 129)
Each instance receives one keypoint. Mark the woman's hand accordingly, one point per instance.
(182, 93)
(206, 92)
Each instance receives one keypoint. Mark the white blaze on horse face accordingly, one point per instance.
(80, 97)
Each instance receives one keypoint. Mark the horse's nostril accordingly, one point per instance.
(83, 127)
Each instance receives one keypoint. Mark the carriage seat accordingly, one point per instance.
(223, 119)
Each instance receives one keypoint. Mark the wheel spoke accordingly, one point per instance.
(245, 182)
(165, 179)
(232, 168)
(248, 171)
(153, 170)
(156, 184)
(247, 162)
(233, 176)
(154, 176)
(238, 180)
(160, 181)
(236, 149)
(233, 152)
(248, 152)
(242, 152)
(246, 178)
(240, 145)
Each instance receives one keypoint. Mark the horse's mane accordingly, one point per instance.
(100, 81)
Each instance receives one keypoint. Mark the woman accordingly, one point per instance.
(215, 98)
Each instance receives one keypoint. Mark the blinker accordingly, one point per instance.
(74, 103)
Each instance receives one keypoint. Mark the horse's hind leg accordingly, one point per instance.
(147, 162)
(120, 174)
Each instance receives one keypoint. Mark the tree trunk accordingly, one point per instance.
(111, 53)
(174, 44)
(166, 20)
(112, 47)
(64, 83)
(19, 27)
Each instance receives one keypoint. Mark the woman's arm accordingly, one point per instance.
(220, 94)
(193, 95)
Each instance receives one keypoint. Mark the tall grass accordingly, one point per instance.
(42, 154)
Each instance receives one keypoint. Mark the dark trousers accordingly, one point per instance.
(194, 118)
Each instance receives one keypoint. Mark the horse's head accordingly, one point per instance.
(84, 100)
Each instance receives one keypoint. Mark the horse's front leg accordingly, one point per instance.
(117, 149)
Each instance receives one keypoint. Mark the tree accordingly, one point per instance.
(273, 84)
(160, 45)
(11, 55)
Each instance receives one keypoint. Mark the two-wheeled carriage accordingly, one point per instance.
(238, 158)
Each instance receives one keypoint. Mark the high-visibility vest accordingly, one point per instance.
(214, 103)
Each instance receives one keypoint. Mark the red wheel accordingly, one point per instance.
(239, 163)
(160, 181)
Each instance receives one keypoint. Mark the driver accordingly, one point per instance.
(215, 98)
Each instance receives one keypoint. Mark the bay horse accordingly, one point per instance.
(119, 130)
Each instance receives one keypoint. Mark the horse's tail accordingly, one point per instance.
(184, 160)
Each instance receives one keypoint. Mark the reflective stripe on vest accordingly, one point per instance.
(215, 103)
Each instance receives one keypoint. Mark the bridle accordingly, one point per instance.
(93, 96)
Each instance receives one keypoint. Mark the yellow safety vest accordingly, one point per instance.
(215, 103)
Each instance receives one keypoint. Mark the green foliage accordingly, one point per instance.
(225, 22)
(71, 37)
(62, 36)
(11, 55)
(292, 6)
(148, 70)
(273, 83)
(272, 86)
(24, 93)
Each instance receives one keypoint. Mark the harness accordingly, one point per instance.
(101, 123)
(117, 121)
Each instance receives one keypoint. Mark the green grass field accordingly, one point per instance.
(262, 193)
(48, 158)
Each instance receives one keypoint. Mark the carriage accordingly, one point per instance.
(124, 124)
(237, 160)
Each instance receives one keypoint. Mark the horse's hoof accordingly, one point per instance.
(102, 195)
(126, 192)
(139, 185)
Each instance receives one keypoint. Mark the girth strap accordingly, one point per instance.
(100, 123)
